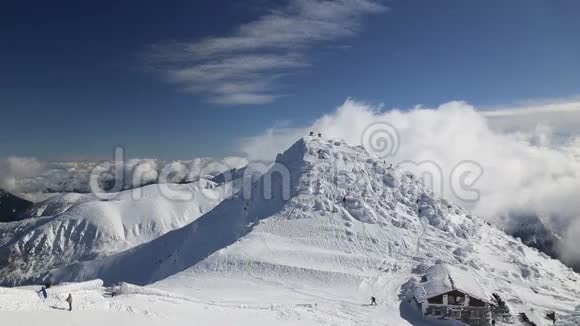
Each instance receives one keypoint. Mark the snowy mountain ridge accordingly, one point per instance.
(77, 227)
(336, 226)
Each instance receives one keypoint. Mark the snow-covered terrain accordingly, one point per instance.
(76, 227)
(329, 227)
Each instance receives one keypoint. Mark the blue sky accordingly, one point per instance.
(189, 78)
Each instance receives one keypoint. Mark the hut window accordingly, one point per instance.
(473, 302)
(456, 298)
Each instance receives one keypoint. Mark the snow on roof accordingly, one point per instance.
(441, 279)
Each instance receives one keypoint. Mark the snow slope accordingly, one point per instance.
(77, 227)
(349, 228)
(92, 307)
(330, 246)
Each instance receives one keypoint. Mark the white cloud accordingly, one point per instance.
(242, 98)
(561, 115)
(525, 171)
(555, 106)
(259, 52)
(14, 168)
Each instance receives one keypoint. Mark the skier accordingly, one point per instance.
(373, 301)
(312, 133)
(69, 300)
(344, 199)
(44, 294)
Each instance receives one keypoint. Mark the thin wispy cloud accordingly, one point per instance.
(243, 67)
(537, 107)
(560, 116)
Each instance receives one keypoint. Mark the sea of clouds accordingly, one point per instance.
(37, 180)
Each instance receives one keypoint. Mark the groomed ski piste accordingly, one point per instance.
(346, 228)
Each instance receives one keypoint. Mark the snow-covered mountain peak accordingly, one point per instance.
(331, 218)
(331, 176)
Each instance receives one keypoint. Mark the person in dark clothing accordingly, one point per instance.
(373, 301)
(69, 300)
(551, 316)
(44, 294)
